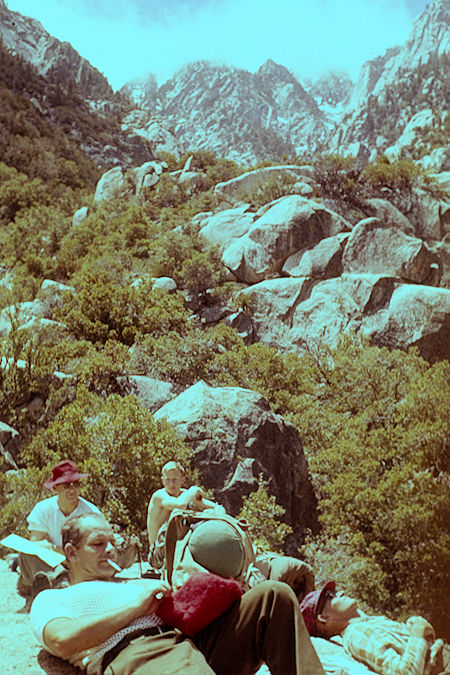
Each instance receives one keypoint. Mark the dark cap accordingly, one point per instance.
(312, 604)
(64, 472)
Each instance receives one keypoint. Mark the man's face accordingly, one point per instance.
(172, 481)
(90, 558)
(68, 492)
(338, 609)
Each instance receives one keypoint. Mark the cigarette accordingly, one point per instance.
(114, 565)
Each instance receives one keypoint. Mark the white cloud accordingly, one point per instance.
(306, 36)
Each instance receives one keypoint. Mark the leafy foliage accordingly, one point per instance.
(379, 456)
(273, 189)
(263, 514)
(29, 141)
(103, 310)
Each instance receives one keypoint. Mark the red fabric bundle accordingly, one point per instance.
(201, 599)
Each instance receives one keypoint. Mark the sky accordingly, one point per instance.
(125, 39)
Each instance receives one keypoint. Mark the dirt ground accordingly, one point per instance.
(20, 653)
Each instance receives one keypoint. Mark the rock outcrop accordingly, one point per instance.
(55, 60)
(235, 437)
(394, 91)
(289, 225)
(235, 113)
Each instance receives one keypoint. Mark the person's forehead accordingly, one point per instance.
(92, 528)
(172, 473)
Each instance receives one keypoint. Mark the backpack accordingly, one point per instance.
(201, 542)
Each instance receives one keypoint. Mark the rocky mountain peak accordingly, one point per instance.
(57, 61)
(271, 69)
(394, 87)
(142, 91)
(429, 38)
(330, 89)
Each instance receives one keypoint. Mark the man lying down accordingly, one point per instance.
(377, 643)
(107, 626)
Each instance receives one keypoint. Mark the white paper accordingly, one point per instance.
(42, 551)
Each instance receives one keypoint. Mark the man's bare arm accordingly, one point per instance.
(191, 494)
(161, 505)
(43, 538)
(65, 636)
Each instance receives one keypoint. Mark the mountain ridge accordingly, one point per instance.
(266, 115)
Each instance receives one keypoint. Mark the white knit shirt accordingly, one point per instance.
(87, 599)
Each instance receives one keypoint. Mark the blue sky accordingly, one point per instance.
(130, 38)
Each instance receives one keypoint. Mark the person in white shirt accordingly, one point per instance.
(47, 518)
(111, 627)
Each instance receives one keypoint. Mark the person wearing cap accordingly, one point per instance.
(387, 647)
(47, 518)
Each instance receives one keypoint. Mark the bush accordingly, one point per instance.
(103, 310)
(25, 373)
(262, 513)
(19, 492)
(273, 188)
(183, 359)
(338, 176)
(398, 175)
(377, 442)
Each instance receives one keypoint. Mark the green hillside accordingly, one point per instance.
(374, 422)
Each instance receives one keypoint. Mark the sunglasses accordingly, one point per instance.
(72, 484)
(326, 596)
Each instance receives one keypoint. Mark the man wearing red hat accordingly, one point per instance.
(388, 647)
(47, 518)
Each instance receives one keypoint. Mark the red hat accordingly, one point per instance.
(312, 604)
(64, 472)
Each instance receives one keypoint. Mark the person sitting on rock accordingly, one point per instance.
(272, 566)
(45, 522)
(172, 496)
(387, 647)
(108, 627)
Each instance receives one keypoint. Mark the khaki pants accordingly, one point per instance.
(265, 625)
(29, 565)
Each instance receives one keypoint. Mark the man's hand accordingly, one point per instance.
(420, 627)
(153, 593)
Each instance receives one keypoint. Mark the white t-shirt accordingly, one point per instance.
(86, 599)
(47, 517)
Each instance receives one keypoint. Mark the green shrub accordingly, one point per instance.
(377, 443)
(19, 492)
(338, 176)
(263, 514)
(103, 310)
(273, 188)
(18, 193)
(183, 359)
(397, 175)
(25, 372)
